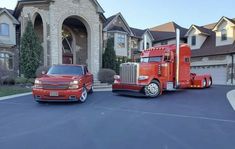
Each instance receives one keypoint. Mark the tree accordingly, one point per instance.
(31, 51)
(109, 56)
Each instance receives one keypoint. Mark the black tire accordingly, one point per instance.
(153, 89)
(210, 83)
(91, 90)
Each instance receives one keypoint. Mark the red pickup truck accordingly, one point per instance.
(64, 83)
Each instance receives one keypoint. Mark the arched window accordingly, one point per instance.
(6, 60)
(4, 29)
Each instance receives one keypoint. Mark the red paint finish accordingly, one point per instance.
(63, 87)
(164, 71)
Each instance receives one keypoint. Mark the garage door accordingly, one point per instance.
(218, 73)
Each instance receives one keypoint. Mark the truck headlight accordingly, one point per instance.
(74, 85)
(141, 78)
(38, 84)
(117, 77)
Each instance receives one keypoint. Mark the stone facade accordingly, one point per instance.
(53, 14)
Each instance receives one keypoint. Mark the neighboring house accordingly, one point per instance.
(165, 34)
(213, 50)
(9, 53)
(117, 28)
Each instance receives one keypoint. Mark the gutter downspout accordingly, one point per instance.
(177, 58)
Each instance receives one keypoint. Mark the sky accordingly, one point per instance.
(149, 13)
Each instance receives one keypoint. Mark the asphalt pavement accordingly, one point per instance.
(186, 119)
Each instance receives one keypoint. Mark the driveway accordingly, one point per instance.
(186, 119)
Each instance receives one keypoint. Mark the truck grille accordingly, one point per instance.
(55, 87)
(129, 73)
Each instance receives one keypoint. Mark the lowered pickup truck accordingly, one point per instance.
(64, 83)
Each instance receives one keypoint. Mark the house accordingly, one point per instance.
(165, 34)
(9, 50)
(213, 50)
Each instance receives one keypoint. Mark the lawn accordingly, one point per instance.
(12, 90)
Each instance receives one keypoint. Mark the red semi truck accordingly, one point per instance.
(162, 68)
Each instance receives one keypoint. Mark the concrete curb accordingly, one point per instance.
(26, 94)
(231, 98)
(14, 96)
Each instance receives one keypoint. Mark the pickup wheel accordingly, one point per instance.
(153, 89)
(84, 95)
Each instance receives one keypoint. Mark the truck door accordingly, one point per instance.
(169, 64)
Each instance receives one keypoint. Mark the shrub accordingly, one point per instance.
(109, 56)
(41, 69)
(106, 75)
(31, 81)
(31, 51)
(21, 80)
(9, 81)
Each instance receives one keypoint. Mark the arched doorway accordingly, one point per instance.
(38, 27)
(74, 42)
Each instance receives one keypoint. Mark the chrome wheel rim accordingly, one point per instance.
(209, 82)
(152, 90)
(84, 95)
(204, 83)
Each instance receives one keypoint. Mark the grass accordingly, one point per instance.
(12, 90)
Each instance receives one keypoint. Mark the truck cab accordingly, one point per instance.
(161, 68)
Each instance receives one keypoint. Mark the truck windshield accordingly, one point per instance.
(151, 59)
(65, 70)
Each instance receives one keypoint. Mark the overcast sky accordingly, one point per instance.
(149, 13)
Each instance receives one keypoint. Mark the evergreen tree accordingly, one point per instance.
(109, 56)
(31, 50)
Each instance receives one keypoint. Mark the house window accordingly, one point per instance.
(193, 40)
(148, 45)
(6, 60)
(224, 35)
(164, 42)
(121, 41)
(4, 29)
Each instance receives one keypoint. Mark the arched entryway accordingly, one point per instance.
(38, 27)
(74, 41)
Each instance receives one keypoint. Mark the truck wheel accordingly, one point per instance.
(204, 83)
(84, 95)
(153, 89)
(209, 83)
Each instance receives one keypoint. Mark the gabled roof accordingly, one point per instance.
(209, 47)
(201, 29)
(111, 19)
(139, 33)
(9, 13)
(167, 31)
(221, 20)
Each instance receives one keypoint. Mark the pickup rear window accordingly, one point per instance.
(151, 59)
(65, 70)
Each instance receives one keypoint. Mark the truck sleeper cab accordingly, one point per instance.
(161, 68)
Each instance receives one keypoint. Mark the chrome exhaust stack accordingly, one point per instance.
(177, 58)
